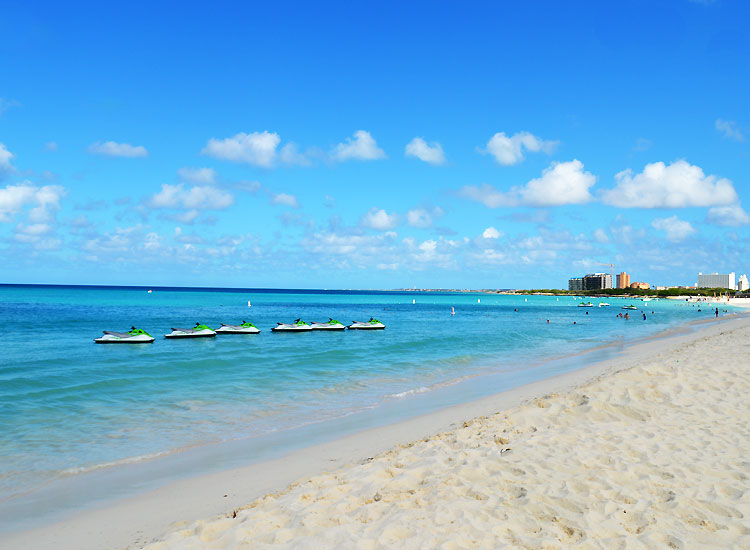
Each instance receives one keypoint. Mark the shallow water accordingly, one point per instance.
(68, 406)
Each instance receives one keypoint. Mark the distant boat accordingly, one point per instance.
(603, 304)
(629, 307)
(585, 304)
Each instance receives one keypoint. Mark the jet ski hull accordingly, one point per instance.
(206, 333)
(326, 326)
(366, 326)
(292, 328)
(109, 339)
(228, 329)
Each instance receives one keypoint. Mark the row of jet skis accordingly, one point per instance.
(139, 336)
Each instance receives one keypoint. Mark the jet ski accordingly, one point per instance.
(331, 324)
(244, 328)
(603, 304)
(135, 336)
(198, 331)
(372, 324)
(296, 326)
(586, 304)
(629, 307)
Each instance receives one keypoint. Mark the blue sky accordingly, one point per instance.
(373, 145)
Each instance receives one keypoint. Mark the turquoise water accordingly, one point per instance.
(68, 406)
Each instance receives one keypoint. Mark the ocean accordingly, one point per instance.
(70, 409)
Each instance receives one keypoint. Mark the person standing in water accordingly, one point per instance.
(717, 312)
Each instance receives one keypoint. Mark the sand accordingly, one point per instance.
(654, 456)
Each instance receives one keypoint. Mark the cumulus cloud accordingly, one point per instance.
(509, 150)
(51, 146)
(257, 148)
(361, 147)
(45, 201)
(114, 149)
(561, 183)
(198, 197)
(729, 129)
(428, 152)
(379, 219)
(423, 217)
(677, 185)
(491, 233)
(197, 175)
(5, 165)
(730, 216)
(676, 229)
(285, 199)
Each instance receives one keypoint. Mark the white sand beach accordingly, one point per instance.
(649, 451)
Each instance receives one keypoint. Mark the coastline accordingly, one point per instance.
(146, 516)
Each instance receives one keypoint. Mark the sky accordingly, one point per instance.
(373, 144)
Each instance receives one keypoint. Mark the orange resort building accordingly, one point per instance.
(642, 286)
(623, 280)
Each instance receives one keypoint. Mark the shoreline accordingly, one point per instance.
(145, 516)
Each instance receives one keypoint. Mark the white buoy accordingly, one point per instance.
(453, 310)
(249, 304)
(479, 301)
(525, 300)
(414, 301)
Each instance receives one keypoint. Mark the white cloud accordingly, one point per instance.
(285, 199)
(188, 217)
(197, 175)
(561, 183)
(198, 197)
(491, 233)
(35, 229)
(46, 200)
(5, 166)
(113, 149)
(731, 216)
(379, 219)
(431, 153)
(729, 129)
(422, 217)
(677, 185)
(509, 150)
(258, 148)
(601, 236)
(676, 229)
(51, 146)
(361, 147)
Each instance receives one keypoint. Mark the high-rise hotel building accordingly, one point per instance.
(623, 280)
